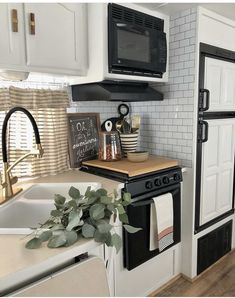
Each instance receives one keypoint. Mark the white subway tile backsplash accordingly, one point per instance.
(184, 27)
(174, 124)
(179, 21)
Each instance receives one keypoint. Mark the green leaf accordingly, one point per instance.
(88, 230)
(74, 219)
(45, 236)
(56, 213)
(88, 191)
(74, 193)
(100, 237)
(72, 204)
(115, 193)
(131, 229)
(59, 206)
(105, 200)
(123, 218)
(116, 241)
(59, 200)
(48, 224)
(57, 227)
(92, 199)
(57, 241)
(97, 211)
(108, 240)
(101, 192)
(104, 227)
(71, 237)
(111, 207)
(108, 213)
(121, 210)
(127, 198)
(33, 243)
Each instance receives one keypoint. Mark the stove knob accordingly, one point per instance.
(166, 180)
(158, 182)
(177, 177)
(149, 184)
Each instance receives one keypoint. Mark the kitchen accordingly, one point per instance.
(200, 52)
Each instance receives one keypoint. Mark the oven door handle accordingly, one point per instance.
(142, 203)
(150, 201)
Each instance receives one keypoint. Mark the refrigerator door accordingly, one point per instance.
(217, 169)
(218, 92)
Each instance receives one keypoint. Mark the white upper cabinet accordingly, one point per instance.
(54, 37)
(44, 37)
(12, 46)
(217, 169)
(220, 81)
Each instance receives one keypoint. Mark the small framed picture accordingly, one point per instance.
(83, 135)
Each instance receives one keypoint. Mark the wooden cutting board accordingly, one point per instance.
(154, 163)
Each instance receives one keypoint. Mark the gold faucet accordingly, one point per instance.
(7, 180)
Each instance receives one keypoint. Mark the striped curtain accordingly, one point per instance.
(48, 107)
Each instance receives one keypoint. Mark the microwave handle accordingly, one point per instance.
(142, 203)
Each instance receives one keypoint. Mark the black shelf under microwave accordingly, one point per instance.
(136, 43)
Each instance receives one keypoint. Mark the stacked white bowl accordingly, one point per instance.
(129, 142)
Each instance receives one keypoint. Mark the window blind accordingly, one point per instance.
(48, 107)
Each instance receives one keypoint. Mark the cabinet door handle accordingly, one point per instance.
(32, 23)
(14, 20)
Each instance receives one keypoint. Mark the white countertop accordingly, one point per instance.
(18, 263)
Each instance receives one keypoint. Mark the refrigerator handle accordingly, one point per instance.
(202, 107)
(206, 130)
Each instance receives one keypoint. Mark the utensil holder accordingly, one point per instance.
(129, 142)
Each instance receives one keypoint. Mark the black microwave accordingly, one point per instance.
(136, 43)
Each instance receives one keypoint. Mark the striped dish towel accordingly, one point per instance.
(161, 222)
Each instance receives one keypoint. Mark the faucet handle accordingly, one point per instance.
(14, 179)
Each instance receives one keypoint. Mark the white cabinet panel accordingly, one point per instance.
(213, 80)
(217, 169)
(220, 81)
(85, 279)
(12, 47)
(57, 43)
(228, 87)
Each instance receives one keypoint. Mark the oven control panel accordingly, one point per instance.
(155, 181)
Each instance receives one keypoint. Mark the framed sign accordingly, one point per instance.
(83, 137)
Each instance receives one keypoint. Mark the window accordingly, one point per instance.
(48, 107)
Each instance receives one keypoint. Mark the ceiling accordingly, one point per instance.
(224, 9)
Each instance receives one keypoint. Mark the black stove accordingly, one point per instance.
(143, 189)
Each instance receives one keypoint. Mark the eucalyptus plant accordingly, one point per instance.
(85, 216)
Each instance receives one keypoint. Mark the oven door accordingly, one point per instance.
(136, 246)
(136, 48)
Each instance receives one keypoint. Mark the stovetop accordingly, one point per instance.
(130, 169)
(144, 183)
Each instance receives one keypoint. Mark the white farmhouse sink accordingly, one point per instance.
(33, 206)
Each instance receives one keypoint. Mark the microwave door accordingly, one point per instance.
(131, 47)
(137, 49)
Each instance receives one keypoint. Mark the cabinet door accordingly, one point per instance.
(55, 37)
(220, 81)
(12, 47)
(217, 169)
(85, 279)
